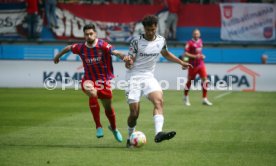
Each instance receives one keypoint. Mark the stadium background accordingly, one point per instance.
(27, 63)
(119, 30)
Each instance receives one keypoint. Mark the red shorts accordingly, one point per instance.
(104, 90)
(201, 70)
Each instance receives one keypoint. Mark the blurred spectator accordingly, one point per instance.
(236, 1)
(50, 6)
(158, 2)
(32, 18)
(269, 1)
(121, 1)
(133, 2)
(171, 22)
(101, 2)
(11, 1)
(264, 59)
(148, 2)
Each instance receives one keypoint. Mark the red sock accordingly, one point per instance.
(95, 110)
(204, 89)
(110, 114)
(187, 87)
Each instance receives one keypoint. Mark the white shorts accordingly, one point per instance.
(140, 86)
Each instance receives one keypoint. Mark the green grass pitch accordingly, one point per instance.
(40, 127)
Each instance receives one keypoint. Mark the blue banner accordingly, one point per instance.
(213, 55)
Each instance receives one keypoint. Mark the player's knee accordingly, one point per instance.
(109, 113)
(92, 93)
(205, 81)
(108, 108)
(89, 88)
(135, 115)
(158, 103)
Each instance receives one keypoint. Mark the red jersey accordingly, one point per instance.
(97, 60)
(194, 47)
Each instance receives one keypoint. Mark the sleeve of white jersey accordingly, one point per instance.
(133, 48)
(165, 47)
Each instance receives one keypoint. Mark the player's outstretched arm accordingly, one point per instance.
(127, 59)
(119, 54)
(171, 57)
(61, 53)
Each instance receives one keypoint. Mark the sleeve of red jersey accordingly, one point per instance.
(187, 47)
(76, 48)
(108, 47)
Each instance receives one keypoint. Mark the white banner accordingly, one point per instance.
(9, 20)
(70, 27)
(247, 22)
(170, 76)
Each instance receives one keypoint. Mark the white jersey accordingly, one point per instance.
(145, 53)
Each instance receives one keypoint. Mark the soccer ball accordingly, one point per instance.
(138, 139)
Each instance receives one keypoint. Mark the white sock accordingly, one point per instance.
(158, 123)
(130, 131)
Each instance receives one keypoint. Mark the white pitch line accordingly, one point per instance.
(222, 95)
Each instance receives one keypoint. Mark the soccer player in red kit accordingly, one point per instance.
(193, 51)
(98, 71)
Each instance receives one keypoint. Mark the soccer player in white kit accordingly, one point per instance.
(143, 52)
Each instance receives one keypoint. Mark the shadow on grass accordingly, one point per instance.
(121, 146)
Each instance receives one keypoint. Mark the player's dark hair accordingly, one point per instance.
(89, 26)
(150, 20)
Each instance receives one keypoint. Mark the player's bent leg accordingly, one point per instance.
(156, 98)
(133, 96)
(95, 110)
(110, 114)
(134, 108)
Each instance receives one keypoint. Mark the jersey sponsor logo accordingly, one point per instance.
(147, 55)
(93, 60)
